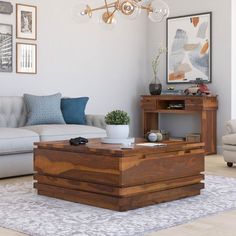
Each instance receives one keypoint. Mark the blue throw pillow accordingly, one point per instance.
(73, 110)
(43, 109)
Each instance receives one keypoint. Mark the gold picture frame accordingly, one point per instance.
(26, 58)
(26, 22)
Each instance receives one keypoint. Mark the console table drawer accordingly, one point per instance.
(193, 104)
(149, 104)
(192, 101)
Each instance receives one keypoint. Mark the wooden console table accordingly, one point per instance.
(207, 106)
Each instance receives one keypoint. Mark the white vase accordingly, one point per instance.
(117, 131)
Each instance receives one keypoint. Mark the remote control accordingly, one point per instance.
(78, 141)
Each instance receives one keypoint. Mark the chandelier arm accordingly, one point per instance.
(148, 8)
(106, 6)
(110, 5)
(113, 12)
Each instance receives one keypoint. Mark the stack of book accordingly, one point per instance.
(172, 92)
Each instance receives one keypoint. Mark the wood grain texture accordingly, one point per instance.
(95, 147)
(117, 203)
(155, 169)
(118, 191)
(77, 166)
(108, 176)
(206, 106)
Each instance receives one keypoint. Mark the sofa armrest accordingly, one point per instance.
(231, 126)
(96, 120)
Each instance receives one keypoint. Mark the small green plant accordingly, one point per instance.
(117, 117)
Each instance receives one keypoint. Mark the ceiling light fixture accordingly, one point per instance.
(157, 10)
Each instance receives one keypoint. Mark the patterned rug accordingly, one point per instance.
(21, 209)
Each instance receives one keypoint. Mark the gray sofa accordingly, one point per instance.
(16, 140)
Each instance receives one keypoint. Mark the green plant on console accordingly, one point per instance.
(117, 117)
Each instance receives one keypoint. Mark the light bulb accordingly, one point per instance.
(158, 10)
(81, 13)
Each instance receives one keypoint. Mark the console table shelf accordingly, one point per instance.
(206, 106)
(175, 111)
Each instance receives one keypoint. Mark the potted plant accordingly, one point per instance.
(117, 124)
(155, 86)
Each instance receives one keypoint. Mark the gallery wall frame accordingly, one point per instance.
(26, 22)
(26, 58)
(6, 48)
(6, 8)
(189, 44)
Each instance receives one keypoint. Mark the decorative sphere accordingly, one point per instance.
(152, 137)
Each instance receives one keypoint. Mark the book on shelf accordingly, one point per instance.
(177, 138)
(172, 92)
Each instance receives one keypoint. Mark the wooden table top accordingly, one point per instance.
(96, 147)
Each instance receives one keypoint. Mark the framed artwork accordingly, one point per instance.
(26, 22)
(5, 48)
(26, 58)
(6, 7)
(189, 43)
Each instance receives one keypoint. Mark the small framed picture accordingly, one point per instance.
(26, 22)
(5, 48)
(189, 43)
(26, 58)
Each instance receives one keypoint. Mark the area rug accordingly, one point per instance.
(21, 209)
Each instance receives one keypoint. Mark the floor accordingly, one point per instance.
(219, 225)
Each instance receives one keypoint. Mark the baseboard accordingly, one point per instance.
(219, 150)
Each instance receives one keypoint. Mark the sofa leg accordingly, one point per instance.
(229, 164)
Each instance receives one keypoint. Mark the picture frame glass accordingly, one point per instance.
(5, 48)
(26, 58)
(26, 22)
(189, 46)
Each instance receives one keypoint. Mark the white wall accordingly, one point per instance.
(84, 60)
(113, 67)
(221, 51)
(233, 59)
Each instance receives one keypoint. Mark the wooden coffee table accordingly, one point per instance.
(107, 176)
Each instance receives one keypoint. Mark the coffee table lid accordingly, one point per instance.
(95, 146)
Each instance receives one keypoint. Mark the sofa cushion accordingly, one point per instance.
(231, 148)
(229, 139)
(12, 112)
(43, 109)
(65, 132)
(16, 140)
(73, 110)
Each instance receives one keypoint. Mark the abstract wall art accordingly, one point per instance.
(189, 44)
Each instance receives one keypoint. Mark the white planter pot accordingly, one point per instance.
(117, 131)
